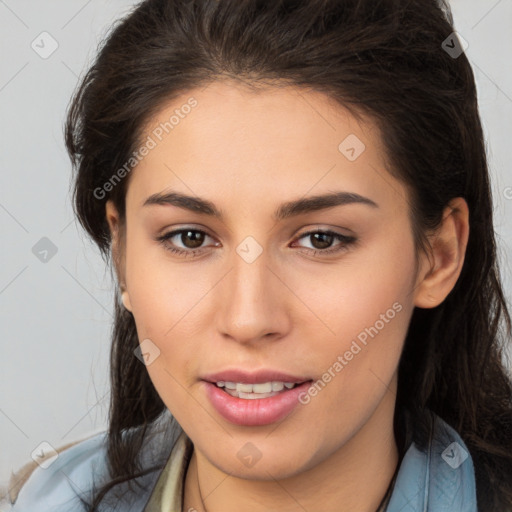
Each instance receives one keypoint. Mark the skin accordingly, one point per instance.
(290, 309)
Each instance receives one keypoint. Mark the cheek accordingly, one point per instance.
(363, 309)
(163, 290)
(370, 286)
(165, 304)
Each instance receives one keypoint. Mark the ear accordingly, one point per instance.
(112, 216)
(439, 273)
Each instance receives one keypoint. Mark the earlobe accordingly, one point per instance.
(126, 300)
(448, 252)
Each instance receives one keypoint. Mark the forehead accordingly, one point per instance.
(228, 139)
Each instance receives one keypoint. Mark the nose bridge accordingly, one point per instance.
(248, 282)
(252, 303)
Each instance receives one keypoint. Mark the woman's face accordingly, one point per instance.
(259, 293)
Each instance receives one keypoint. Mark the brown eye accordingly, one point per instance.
(191, 241)
(322, 241)
(196, 237)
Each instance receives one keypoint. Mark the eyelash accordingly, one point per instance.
(347, 241)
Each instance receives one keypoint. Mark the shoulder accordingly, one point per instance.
(58, 480)
(438, 475)
(58, 477)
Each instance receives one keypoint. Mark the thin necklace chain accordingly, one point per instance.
(384, 503)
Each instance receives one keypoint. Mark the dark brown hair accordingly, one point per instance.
(379, 58)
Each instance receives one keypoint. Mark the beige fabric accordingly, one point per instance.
(167, 495)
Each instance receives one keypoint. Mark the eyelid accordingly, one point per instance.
(345, 241)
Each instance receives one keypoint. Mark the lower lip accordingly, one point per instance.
(255, 412)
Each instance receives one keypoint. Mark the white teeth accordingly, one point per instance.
(277, 386)
(244, 388)
(265, 388)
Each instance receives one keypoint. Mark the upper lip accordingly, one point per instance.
(258, 377)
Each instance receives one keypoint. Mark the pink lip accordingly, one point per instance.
(258, 377)
(258, 412)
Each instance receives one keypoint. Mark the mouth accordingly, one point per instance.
(259, 404)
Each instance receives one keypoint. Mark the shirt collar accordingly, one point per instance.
(167, 495)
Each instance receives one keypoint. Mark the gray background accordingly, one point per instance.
(56, 315)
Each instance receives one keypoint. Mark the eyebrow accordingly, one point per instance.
(284, 211)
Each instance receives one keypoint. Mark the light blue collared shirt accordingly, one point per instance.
(439, 479)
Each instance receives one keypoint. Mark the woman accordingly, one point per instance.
(362, 371)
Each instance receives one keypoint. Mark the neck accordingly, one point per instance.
(353, 478)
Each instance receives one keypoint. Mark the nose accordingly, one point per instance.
(253, 301)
